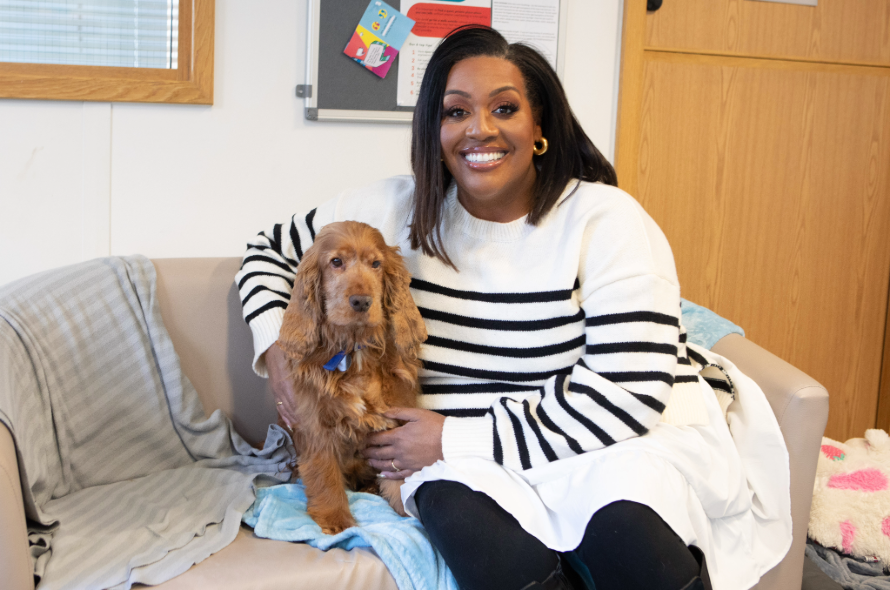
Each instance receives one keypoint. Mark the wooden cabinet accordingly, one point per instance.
(835, 31)
(763, 152)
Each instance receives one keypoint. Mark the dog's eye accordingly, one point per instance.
(336, 263)
(375, 264)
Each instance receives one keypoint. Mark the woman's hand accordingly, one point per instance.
(411, 447)
(282, 386)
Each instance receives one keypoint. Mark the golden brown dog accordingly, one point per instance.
(350, 295)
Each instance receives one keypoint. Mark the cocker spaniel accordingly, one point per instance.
(352, 334)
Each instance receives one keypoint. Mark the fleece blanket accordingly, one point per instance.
(849, 526)
(851, 496)
(124, 478)
(401, 543)
(703, 326)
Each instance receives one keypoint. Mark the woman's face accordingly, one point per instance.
(488, 134)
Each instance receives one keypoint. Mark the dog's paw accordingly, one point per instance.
(391, 491)
(334, 530)
(398, 507)
(335, 522)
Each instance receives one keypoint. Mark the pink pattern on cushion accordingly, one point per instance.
(885, 526)
(864, 480)
(833, 453)
(848, 532)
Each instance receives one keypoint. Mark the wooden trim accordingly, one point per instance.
(770, 57)
(727, 60)
(190, 83)
(630, 96)
(882, 414)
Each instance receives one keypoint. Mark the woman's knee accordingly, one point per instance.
(627, 545)
(436, 497)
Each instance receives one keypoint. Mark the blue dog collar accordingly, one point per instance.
(337, 360)
(340, 361)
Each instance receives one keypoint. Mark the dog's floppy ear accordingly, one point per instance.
(407, 328)
(300, 332)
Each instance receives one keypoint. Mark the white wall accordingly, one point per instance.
(80, 180)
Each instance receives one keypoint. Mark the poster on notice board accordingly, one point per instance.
(378, 37)
(534, 22)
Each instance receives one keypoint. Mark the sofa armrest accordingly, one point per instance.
(15, 560)
(800, 404)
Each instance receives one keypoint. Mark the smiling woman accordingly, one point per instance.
(564, 433)
(488, 136)
(528, 100)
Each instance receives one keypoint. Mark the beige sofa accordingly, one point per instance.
(201, 310)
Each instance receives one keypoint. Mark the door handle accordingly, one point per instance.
(653, 5)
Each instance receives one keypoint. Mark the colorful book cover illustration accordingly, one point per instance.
(378, 37)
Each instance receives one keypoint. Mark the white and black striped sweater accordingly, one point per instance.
(548, 342)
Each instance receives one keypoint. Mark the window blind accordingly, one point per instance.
(122, 33)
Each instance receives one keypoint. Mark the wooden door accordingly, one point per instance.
(758, 137)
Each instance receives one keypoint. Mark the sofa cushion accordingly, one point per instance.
(252, 563)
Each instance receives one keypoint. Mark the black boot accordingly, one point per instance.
(702, 581)
(557, 580)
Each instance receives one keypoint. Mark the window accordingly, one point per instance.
(107, 50)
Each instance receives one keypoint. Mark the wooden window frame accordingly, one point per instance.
(190, 83)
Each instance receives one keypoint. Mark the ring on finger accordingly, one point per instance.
(393, 463)
(280, 403)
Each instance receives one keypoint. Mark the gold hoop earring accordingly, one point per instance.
(540, 151)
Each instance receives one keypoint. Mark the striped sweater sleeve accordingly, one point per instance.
(617, 390)
(266, 278)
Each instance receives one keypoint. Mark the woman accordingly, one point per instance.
(562, 420)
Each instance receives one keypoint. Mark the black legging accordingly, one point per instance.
(626, 545)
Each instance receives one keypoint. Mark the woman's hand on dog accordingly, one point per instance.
(282, 384)
(412, 446)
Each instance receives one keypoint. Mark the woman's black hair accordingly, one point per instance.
(571, 154)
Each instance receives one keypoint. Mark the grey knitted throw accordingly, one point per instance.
(124, 478)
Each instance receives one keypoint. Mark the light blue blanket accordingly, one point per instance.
(703, 326)
(280, 511)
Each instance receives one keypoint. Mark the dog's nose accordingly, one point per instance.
(360, 303)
